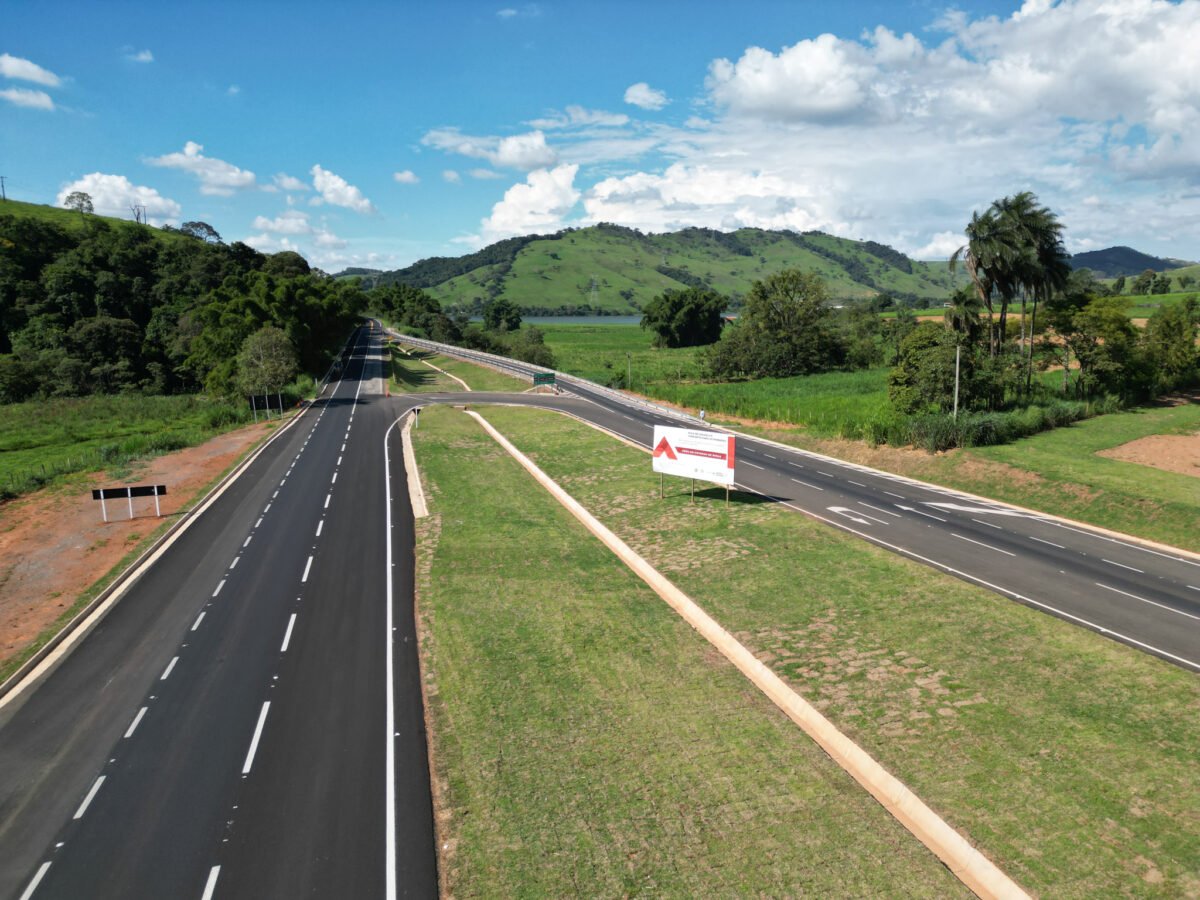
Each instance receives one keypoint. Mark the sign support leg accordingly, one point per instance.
(103, 509)
(129, 496)
(158, 510)
(693, 490)
(726, 495)
(661, 478)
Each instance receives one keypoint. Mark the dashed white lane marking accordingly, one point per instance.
(167, 671)
(1122, 566)
(258, 524)
(988, 524)
(981, 544)
(246, 543)
(807, 484)
(769, 456)
(274, 495)
(136, 721)
(901, 496)
(219, 586)
(753, 466)
(919, 512)
(858, 483)
(199, 619)
(262, 718)
(339, 462)
(826, 474)
(1190, 562)
(796, 464)
(886, 512)
(333, 480)
(1178, 612)
(233, 565)
(343, 448)
(211, 884)
(328, 497)
(87, 801)
(287, 635)
(320, 525)
(1051, 543)
(307, 566)
(266, 509)
(37, 879)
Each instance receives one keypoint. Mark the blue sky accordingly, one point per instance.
(376, 134)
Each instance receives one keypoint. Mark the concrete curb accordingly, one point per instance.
(968, 864)
(416, 494)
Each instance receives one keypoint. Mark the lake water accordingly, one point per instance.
(581, 320)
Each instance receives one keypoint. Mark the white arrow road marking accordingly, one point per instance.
(982, 510)
(919, 512)
(849, 514)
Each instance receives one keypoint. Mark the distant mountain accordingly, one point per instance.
(609, 269)
(1117, 261)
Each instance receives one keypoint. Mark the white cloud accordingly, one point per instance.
(112, 195)
(24, 70)
(484, 174)
(336, 191)
(291, 221)
(287, 182)
(140, 56)
(521, 151)
(328, 239)
(575, 116)
(528, 11)
(506, 13)
(451, 177)
(941, 246)
(408, 176)
(28, 98)
(646, 97)
(541, 203)
(216, 176)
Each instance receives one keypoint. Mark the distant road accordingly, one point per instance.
(226, 730)
(1145, 597)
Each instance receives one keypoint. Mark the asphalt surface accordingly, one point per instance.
(227, 730)
(1143, 596)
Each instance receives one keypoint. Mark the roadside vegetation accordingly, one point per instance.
(586, 741)
(410, 375)
(1067, 758)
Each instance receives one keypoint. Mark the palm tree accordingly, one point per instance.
(988, 256)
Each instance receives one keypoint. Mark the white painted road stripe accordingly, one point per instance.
(246, 543)
(988, 524)
(334, 479)
(339, 462)
(1193, 587)
(262, 718)
(886, 512)
(1051, 543)
(199, 619)
(1178, 612)
(320, 525)
(87, 801)
(211, 884)
(806, 484)
(981, 544)
(37, 879)
(901, 496)
(287, 636)
(258, 524)
(167, 671)
(328, 497)
(796, 464)
(136, 721)
(859, 483)
(307, 566)
(219, 586)
(233, 565)
(760, 468)
(1122, 566)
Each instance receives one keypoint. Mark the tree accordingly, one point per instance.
(1170, 343)
(202, 231)
(1162, 284)
(687, 318)
(1143, 283)
(499, 314)
(80, 201)
(1118, 287)
(923, 377)
(266, 362)
(1186, 282)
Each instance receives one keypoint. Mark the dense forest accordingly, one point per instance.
(105, 308)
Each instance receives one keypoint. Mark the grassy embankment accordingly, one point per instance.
(410, 375)
(42, 441)
(586, 738)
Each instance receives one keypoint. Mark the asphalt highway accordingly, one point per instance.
(247, 720)
(1144, 596)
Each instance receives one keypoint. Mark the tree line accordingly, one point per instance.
(103, 309)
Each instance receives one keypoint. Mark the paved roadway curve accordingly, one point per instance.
(1143, 596)
(225, 731)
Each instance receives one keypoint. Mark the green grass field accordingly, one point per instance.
(410, 375)
(600, 352)
(586, 742)
(1068, 759)
(46, 439)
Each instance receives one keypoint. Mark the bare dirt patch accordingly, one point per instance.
(1171, 452)
(55, 545)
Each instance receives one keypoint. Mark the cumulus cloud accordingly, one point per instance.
(24, 70)
(484, 174)
(646, 97)
(216, 176)
(291, 221)
(28, 98)
(520, 151)
(450, 176)
(576, 116)
(528, 11)
(408, 176)
(540, 203)
(113, 195)
(336, 191)
(286, 182)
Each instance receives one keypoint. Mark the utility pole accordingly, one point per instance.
(629, 371)
(957, 357)
(3, 194)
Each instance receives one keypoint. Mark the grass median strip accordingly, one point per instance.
(1069, 759)
(410, 375)
(587, 741)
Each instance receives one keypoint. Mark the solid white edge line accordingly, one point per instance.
(136, 721)
(37, 879)
(211, 884)
(199, 619)
(170, 667)
(1122, 566)
(390, 774)
(307, 566)
(981, 544)
(287, 635)
(262, 719)
(1178, 612)
(87, 801)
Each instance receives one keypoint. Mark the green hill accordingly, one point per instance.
(75, 223)
(1116, 261)
(608, 269)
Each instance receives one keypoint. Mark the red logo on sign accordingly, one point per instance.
(664, 448)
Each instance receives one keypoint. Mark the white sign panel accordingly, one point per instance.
(707, 455)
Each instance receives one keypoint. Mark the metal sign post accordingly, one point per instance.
(144, 490)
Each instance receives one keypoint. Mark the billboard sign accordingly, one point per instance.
(689, 453)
